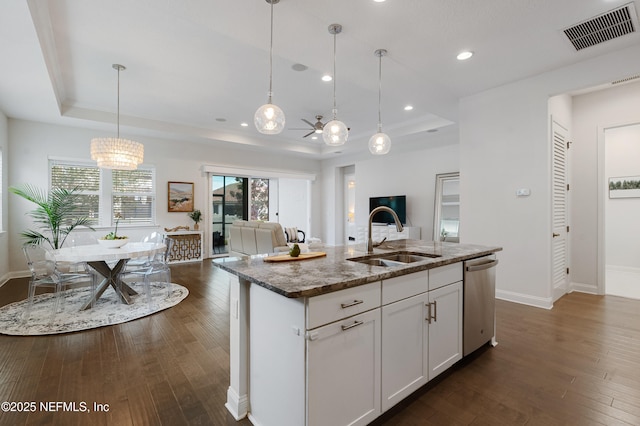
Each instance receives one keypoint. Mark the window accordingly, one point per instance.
(107, 194)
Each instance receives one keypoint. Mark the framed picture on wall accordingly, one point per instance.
(180, 196)
(624, 187)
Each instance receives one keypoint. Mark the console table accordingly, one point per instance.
(187, 246)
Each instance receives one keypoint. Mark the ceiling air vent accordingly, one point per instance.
(627, 79)
(605, 27)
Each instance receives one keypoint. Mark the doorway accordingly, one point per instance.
(236, 198)
(621, 209)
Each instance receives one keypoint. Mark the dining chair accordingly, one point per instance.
(157, 265)
(45, 273)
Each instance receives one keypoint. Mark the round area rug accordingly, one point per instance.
(108, 310)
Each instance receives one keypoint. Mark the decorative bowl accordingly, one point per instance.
(113, 243)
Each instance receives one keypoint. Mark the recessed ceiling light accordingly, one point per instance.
(314, 137)
(221, 120)
(379, 1)
(244, 124)
(432, 130)
(327, 77)
(299, 67)
(408, 107)
(464, 55)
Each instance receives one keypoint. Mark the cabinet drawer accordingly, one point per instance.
(444, 275)
(334, 306)
(404, 286)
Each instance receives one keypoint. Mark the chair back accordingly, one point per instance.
(168, 241)
(154, 237)
(39, 261)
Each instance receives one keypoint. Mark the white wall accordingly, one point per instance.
(592, 113)
(622, 159)
(504, 145)
(294, 203)
(409, 171)
(4, 238)
(33, 143)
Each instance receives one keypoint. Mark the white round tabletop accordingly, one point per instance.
(96, 252)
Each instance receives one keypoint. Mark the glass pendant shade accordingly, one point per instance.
(335, 133)
(379, 144)
(269, 119)
(117, 153)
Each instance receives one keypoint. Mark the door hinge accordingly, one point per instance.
(569, 144)
(567, 229)
(567, 187)
(567, 271)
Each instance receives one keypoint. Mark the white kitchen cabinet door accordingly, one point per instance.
(343, 371)
(445, 328)
(405, 340)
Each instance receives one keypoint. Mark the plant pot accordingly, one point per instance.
(113, 243)
(196, 227)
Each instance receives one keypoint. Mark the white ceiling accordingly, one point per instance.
(193, 62)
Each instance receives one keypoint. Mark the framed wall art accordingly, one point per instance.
(624, 187)
(180, 196)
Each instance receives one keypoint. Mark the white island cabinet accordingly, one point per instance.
(344, 357)
(421, 329)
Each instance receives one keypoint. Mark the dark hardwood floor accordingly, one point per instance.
(577, 364)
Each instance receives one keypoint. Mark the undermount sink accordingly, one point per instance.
(393, 259)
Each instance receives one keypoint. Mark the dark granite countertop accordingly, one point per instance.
(312, 277)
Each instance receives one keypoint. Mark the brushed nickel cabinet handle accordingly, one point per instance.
(350, 304)
(428, 318)
(435, 310)
(355, 324)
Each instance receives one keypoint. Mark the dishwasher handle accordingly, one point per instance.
(482, 266)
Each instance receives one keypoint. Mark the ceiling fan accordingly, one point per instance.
(315, 128)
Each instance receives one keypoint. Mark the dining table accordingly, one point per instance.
(109, 262)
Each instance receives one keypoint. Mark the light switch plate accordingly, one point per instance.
(523, 192)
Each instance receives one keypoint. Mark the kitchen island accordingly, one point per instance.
(333, 340)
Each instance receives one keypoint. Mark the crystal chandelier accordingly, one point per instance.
(380, 143)
(335, 132)
(269, 118)
(117, 153)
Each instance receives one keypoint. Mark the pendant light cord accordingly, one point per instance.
(118, 106)
(379, 92)
(335, 110)
(271, 56)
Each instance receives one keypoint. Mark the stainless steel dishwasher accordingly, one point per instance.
(479, 302)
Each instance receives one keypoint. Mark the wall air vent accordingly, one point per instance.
(613, 24)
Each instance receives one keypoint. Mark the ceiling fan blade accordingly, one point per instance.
(308, 122)
(309, 134)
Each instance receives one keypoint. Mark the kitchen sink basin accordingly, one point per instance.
(393, 259)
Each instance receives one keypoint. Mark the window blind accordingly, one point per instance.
(134, 195)
(86, 178)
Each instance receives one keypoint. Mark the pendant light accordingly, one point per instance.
(380, 143)
(335, 132)
(269, 118)
(117, 153)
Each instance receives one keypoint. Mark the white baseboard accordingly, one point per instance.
(238, 405)
(11, 275)
(622, 281)
(525, 299)
(583, 288)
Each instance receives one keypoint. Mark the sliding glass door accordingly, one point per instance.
(235, 198)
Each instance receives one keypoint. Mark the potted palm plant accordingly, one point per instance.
(196, 216)
(55, 215)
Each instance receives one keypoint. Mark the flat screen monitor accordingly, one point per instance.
(398, 203)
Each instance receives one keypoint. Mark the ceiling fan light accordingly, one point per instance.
(335, 133)
(269, 119)
(379, 144)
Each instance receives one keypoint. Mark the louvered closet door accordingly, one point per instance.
(559, 247)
